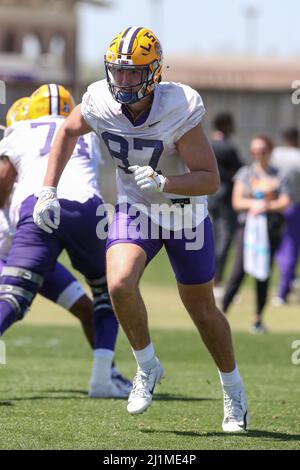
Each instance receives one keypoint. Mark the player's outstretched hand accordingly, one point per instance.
(46, 206)
(147, 179)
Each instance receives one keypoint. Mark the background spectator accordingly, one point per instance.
(258, 177)
(287, 160)
(224, 217)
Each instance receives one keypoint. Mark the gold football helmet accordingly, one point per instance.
(18, 111)
(138, 50)
(50, 99)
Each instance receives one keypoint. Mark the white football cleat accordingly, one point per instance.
(112, 386)
(144, 383)
(123, 384)
(236, 416)
(108, 390)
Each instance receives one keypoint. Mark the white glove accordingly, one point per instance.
(147, 179)
(46, 204)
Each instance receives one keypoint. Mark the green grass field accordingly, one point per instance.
(43, 386)
(44, 404)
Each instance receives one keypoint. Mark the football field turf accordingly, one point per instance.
(43, 401)
(43, 386)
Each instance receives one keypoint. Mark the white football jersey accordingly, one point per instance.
(175, 110)
(28, 147)
(8, 130)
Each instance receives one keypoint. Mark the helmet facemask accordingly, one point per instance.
(129, 94)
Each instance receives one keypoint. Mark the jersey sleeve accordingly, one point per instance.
(96, 153)
(11, 147)
(90, 107)
(193, 114)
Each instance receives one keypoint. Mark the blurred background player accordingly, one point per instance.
(263, 179)
(17, 112)
(30, 259)
(219, 203)
(286, 159)
(147, 126)
(62, 288)
(60, 285)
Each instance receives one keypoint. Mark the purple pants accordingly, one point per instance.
(191, 266)
(288, 253)
(59, 286)
(37, 251)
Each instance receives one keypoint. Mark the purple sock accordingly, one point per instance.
(106, 328)
(7, 316)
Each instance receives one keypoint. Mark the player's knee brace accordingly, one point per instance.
(18, 287)
(101, 298)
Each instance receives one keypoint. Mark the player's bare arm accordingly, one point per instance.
(239, 201)
(199, 157)
(7, 178)
(64, 144)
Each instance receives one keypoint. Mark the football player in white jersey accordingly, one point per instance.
(59, 286)
(153, 132)
(62, 288)
(31, 261)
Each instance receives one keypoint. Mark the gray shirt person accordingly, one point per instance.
(287, 161)
(271, 183)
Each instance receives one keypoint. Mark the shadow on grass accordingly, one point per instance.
(62, 390)
(157, 396)
(56, 394)
(71, 395)
(183, 398)
(253, 433)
